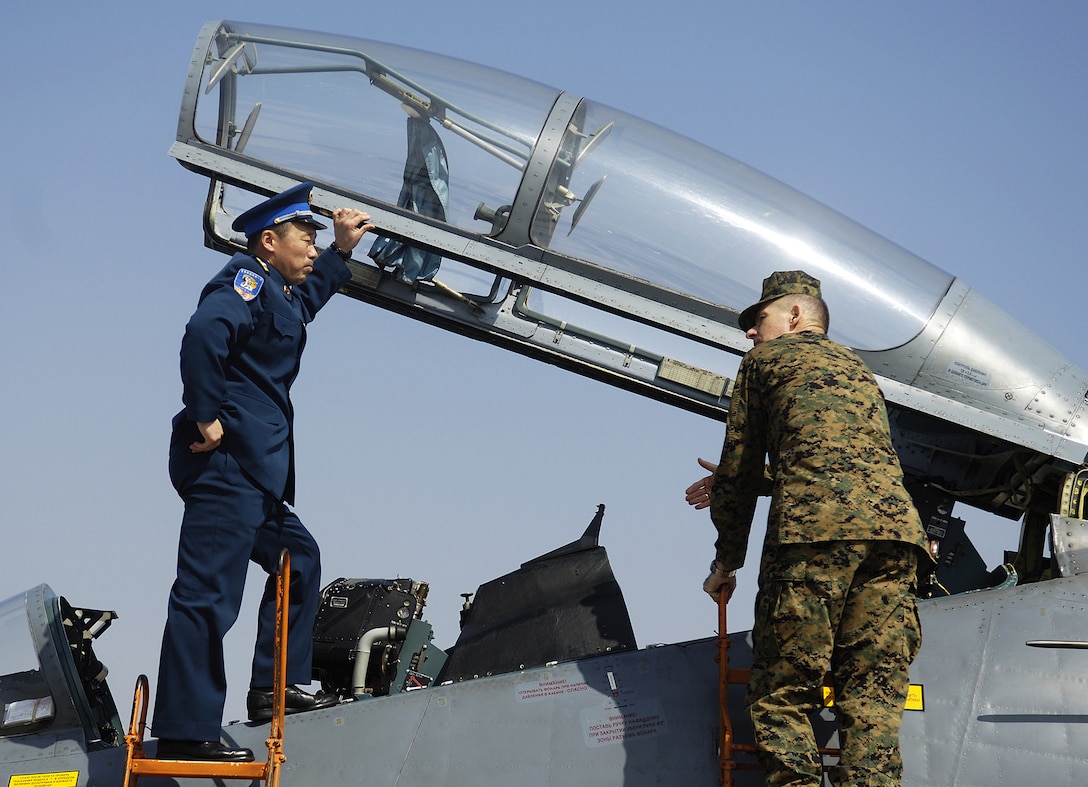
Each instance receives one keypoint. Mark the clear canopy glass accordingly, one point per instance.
(25, 700)
(646, 202)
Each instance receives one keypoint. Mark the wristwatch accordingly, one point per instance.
(344, 255)
(719, 572)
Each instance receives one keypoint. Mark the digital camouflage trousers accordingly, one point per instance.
(845, 608)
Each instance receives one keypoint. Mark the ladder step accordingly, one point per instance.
(200, 769)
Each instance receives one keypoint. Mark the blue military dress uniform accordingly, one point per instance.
(239, 356)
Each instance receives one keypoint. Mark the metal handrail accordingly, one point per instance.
(138, 764)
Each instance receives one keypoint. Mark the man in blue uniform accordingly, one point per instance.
(232, 462)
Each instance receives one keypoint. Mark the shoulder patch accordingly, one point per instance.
(248, 284)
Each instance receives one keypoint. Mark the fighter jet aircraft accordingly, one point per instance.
(560, 228)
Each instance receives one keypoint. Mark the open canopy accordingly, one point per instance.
(569, 231)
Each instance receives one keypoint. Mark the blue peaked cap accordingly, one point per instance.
(291, 205)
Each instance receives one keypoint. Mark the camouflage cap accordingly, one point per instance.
(775, 286)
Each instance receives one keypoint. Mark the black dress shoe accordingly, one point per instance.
(259, 702)
(173, 749)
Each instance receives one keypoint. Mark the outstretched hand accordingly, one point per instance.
(698, 494)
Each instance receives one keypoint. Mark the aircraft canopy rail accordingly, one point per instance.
(572, 232)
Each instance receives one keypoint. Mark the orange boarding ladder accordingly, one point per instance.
(727, 677)
(137, 764)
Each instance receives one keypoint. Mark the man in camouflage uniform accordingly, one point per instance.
(807, 425)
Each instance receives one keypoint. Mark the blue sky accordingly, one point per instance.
(955, 129)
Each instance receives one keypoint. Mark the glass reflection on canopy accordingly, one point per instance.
(664, 209)
(683, 215)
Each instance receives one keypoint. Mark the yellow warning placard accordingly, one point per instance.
(56, 779)
(915, 700)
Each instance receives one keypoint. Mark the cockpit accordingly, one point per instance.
(51, 684)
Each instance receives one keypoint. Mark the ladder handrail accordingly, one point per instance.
(726, 677)
(137, 764)
(725, 748)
